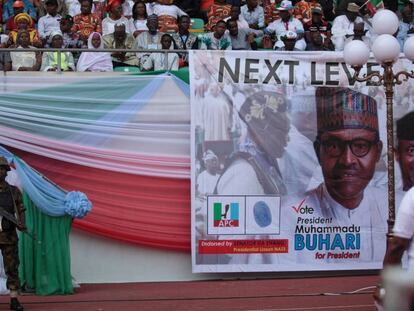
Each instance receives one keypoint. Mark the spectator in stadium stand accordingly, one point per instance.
(289, 41)
(23, 22)
(242, 39)
(157, 61)
(167, 15)
(253, 14)
(235, 16)
(95, 61)
(217, 40)
(360, 33)
(86, 22)
(5, 60)
(319, 25)
(303, 10)
(218, 11)
(114, 10)
(148, 40)
(70, 39)
(405, 149)
(138, 22)
(120, 39)
(317, 43)
(42, 10)
(25, 61)
(18, 7)
(191, 7)
(286, 23)
(50, 59)
(49, 22)
(9, 10)
(184, 40)
(271, 12)
(344, 25)
(406, 27)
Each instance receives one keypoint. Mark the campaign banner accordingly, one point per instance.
(289, 162)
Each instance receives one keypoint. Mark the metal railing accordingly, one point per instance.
(59, 51)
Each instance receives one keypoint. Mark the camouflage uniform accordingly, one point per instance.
(8, 235)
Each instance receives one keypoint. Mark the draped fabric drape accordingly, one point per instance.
(122, 140)
(45, 261)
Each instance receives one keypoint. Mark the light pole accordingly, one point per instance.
(386, 50)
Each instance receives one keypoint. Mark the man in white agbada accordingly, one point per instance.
(207, 180)
(343, 26)
(254, 169)
(148, 40)
(347, 223)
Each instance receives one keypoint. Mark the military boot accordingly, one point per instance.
(15, 305)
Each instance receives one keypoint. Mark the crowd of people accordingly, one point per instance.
(304, 25)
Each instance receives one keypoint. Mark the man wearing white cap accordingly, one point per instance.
(287, 23)
(289, 41)
(207, 180)
(343, 25)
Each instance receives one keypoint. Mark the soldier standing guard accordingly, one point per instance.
(11, 217)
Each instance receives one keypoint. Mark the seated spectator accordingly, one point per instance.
(271, 13)
(217, 40)
(120, 39)
(405, 28)
(114, 9)
(23, 22)
(218, 11)
(42, 8)
(74, 7)
(18, 7)
(190, 7)
(289, 41)
(50, 59)
(253, 14)
(70, 39)
(319, 25)
(86, 22)
(95, 61)
(184, 40)
(5, 60)
(235, 16)
(167, 15)
(138, 22)
(25, 61)
(317, 43)
(344, 25)
(158, 61)
(242, 39)
(9, 10)
(49, 22)
(287, 23)
(359, 34)
(148, 40)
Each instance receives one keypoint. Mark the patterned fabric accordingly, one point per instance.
(167, 23)
(189, 42)
(323, 27)
(86, 24)
(33, 35)
(342, 108)
(216, 13)
(303, 10)
(271, 13)
(209, 42)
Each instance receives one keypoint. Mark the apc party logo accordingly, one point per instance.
(226, 215)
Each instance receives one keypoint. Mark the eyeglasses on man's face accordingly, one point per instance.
(335, 147)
